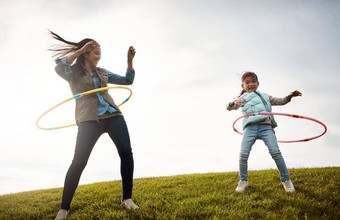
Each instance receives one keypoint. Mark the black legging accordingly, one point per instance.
(88, 134)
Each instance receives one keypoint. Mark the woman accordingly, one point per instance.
(96, 113)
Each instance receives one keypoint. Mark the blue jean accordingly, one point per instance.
(267, 134)
(88, 134)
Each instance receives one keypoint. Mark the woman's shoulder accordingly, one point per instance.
(102, 70)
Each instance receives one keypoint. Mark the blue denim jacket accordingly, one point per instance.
(64, 70)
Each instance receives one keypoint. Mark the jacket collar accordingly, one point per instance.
(84, 67)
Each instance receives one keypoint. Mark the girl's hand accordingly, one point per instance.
(237, 103)
(294, 94)
(240, 102)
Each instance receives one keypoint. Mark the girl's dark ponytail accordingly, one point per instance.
(242, 92)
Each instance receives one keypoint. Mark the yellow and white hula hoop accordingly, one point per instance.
(77, 96)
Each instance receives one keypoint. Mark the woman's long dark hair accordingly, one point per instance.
(244, 76)
(60, 51)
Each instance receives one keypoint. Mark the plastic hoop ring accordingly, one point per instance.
(77, 96)
(289, 115)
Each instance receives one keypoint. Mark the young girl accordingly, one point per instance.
(259, 127)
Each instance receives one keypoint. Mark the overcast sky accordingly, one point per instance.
(190, 56)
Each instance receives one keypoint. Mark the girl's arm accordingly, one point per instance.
(285, 100)
(236, 104)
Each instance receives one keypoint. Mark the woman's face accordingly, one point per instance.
(250, 84)
(93, 56)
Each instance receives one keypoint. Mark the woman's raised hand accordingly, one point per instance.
(88, 46)
(130, 55)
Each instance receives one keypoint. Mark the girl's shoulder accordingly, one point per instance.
(262, 93)
(247, 96)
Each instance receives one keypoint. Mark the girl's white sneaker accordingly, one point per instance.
(242, 185)
(62, 214)
(288, 186)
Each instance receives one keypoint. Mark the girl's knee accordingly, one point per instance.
(244, 156)
(276, 155)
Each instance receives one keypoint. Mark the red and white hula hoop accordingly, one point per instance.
(289, 115)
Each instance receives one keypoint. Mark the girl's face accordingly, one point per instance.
(250, 84)
(93, 56)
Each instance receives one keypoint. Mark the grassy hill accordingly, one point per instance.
(194, 196)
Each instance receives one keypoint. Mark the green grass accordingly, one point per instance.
(194, 196)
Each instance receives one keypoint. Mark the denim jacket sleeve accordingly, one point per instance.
(121, 80)
(63, 69)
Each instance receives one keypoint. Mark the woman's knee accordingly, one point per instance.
(78, 164)
(125, 153)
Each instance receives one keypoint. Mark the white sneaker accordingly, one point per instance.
(129, 204)
(288, 186)
(242, 185)
(62, 214)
